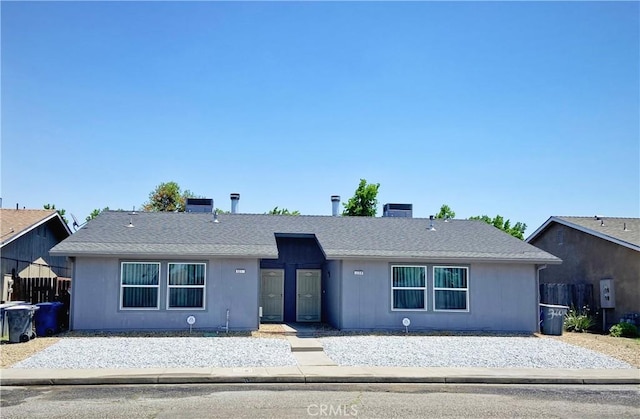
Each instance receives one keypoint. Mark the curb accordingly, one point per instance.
(309, 379)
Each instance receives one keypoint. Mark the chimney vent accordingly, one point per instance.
(235, 198)
(431, 227)
(335, 204)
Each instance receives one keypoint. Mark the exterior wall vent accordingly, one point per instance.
(199, 205)
(397, 210)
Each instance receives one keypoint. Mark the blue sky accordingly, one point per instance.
(521, 109)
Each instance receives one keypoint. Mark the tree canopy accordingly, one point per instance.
(364, 201)
(446, 212)
(283, 211)
(95, 213)
(498, 221)
(60, 211)
(168, 197)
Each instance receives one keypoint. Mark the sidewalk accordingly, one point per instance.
(315, 367)
(315, 374)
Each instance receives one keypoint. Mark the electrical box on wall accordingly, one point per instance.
(607, 294)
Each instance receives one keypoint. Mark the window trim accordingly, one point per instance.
(466, 289)
(122, 286)
(203, 287)
(424, 289)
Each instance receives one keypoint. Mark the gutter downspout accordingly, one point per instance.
(72, 300)
(538, 269)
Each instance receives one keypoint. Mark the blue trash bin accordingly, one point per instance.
(47, 318)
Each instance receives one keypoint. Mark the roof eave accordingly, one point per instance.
(578, 227)
(162, 255)
(36, 225)
(452, 259)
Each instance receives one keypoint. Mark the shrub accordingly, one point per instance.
(578, 320)
(623, 329)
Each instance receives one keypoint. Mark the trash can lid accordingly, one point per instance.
(23, 307)
(12, 303)
(553, 306)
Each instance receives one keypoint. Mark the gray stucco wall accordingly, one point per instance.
(96, 297)
(502, 297)
(588, 259)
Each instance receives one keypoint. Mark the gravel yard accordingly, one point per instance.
(167, 352)
(579, 350)
(463, 351)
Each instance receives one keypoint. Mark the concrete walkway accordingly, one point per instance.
(314, 366)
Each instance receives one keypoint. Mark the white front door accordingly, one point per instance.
(308, 286)
(272, 294)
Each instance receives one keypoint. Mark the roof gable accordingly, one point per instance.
(622, 231)
(16, 223)
(254, 235)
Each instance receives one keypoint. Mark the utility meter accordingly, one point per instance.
(607, 294)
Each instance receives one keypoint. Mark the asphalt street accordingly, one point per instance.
(308, 400)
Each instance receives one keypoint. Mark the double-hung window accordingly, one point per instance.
(139, 286)
(186, 285)
(408, 287)
(450, 288)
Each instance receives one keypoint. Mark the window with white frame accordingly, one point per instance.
(186, 285)
(139, 285)
(450, 288)
(408, 287)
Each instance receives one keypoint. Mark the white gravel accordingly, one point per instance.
(410, 351)
(463, 351)
(172, 352)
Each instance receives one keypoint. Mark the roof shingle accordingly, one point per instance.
(253, 235)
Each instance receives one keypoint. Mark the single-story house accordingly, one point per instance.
(601, 251)
(158, 270)
(27, 236)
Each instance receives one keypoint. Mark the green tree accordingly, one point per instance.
(60, 211)
(498, 222)
(282, 211)
(219, 211)
(95, 213)
(446, 212)
(168, 197)
(364, 201)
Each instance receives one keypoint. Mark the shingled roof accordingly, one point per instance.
(619, 230)
(15, 223)
(155, 234)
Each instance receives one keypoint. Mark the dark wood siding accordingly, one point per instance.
(18, 254)
(294, 252)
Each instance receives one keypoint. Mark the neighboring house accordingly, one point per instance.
(26, 236)
(594, 249)
(156, 270)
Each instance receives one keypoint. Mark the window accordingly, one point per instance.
(186, 282)
(139, 285)
(450, 288)
(408, 287)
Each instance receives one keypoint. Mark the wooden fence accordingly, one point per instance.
(39, 290)
(572, 295)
